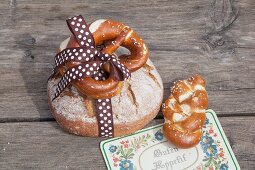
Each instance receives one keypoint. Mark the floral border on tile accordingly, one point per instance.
(123, 153)
(214, 155)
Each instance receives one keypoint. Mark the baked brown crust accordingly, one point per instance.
(137, 104)
(91, 129)
(184, 112)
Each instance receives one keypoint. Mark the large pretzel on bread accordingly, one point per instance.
(111, 34)
(184, 112)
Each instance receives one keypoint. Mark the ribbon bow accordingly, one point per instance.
(86, 54)
(91, 65)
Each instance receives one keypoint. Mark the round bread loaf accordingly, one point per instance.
(137, 104)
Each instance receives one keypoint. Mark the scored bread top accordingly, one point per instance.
(140, 95)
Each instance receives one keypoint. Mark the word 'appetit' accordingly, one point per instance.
(170, 163)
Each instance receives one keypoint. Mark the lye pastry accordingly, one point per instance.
(184, 112)
(99, 89)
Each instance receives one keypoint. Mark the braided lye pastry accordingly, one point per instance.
(184, 112)
(87, 62)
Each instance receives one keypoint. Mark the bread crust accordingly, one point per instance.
(137, 104)
(91, 129)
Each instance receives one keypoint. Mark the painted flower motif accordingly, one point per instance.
(126, 165)
(223, 167)
(210, 150)
(159, 135)
(112, 148)
(211, 168)
(125, 143)
(115, 159)
(199, 168)
(207, 140)
(221, 154)
(209, 145)
(211, 131)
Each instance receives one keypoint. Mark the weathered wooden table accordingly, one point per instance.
(215, 38)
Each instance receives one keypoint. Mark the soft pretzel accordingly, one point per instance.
(112, 35)
(184, 112)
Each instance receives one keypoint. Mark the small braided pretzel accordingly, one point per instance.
(184, 112)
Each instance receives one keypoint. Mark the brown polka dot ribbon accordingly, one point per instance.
(104, 117)
(89, 66)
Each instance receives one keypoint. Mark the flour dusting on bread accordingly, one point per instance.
(148, 96)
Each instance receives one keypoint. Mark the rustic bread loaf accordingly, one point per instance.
(136, 105)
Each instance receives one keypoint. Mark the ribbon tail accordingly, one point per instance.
(119, 71)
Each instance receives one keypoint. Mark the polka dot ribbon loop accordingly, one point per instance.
(80, 30)
(91, 62)
(76, 73)
(77, 54)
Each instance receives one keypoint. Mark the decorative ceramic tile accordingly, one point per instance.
(148, 149)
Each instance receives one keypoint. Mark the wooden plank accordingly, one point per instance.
(43, 145)
(28, 100)
(216, 40)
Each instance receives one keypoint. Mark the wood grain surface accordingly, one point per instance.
(215, 38)
(48, 147)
